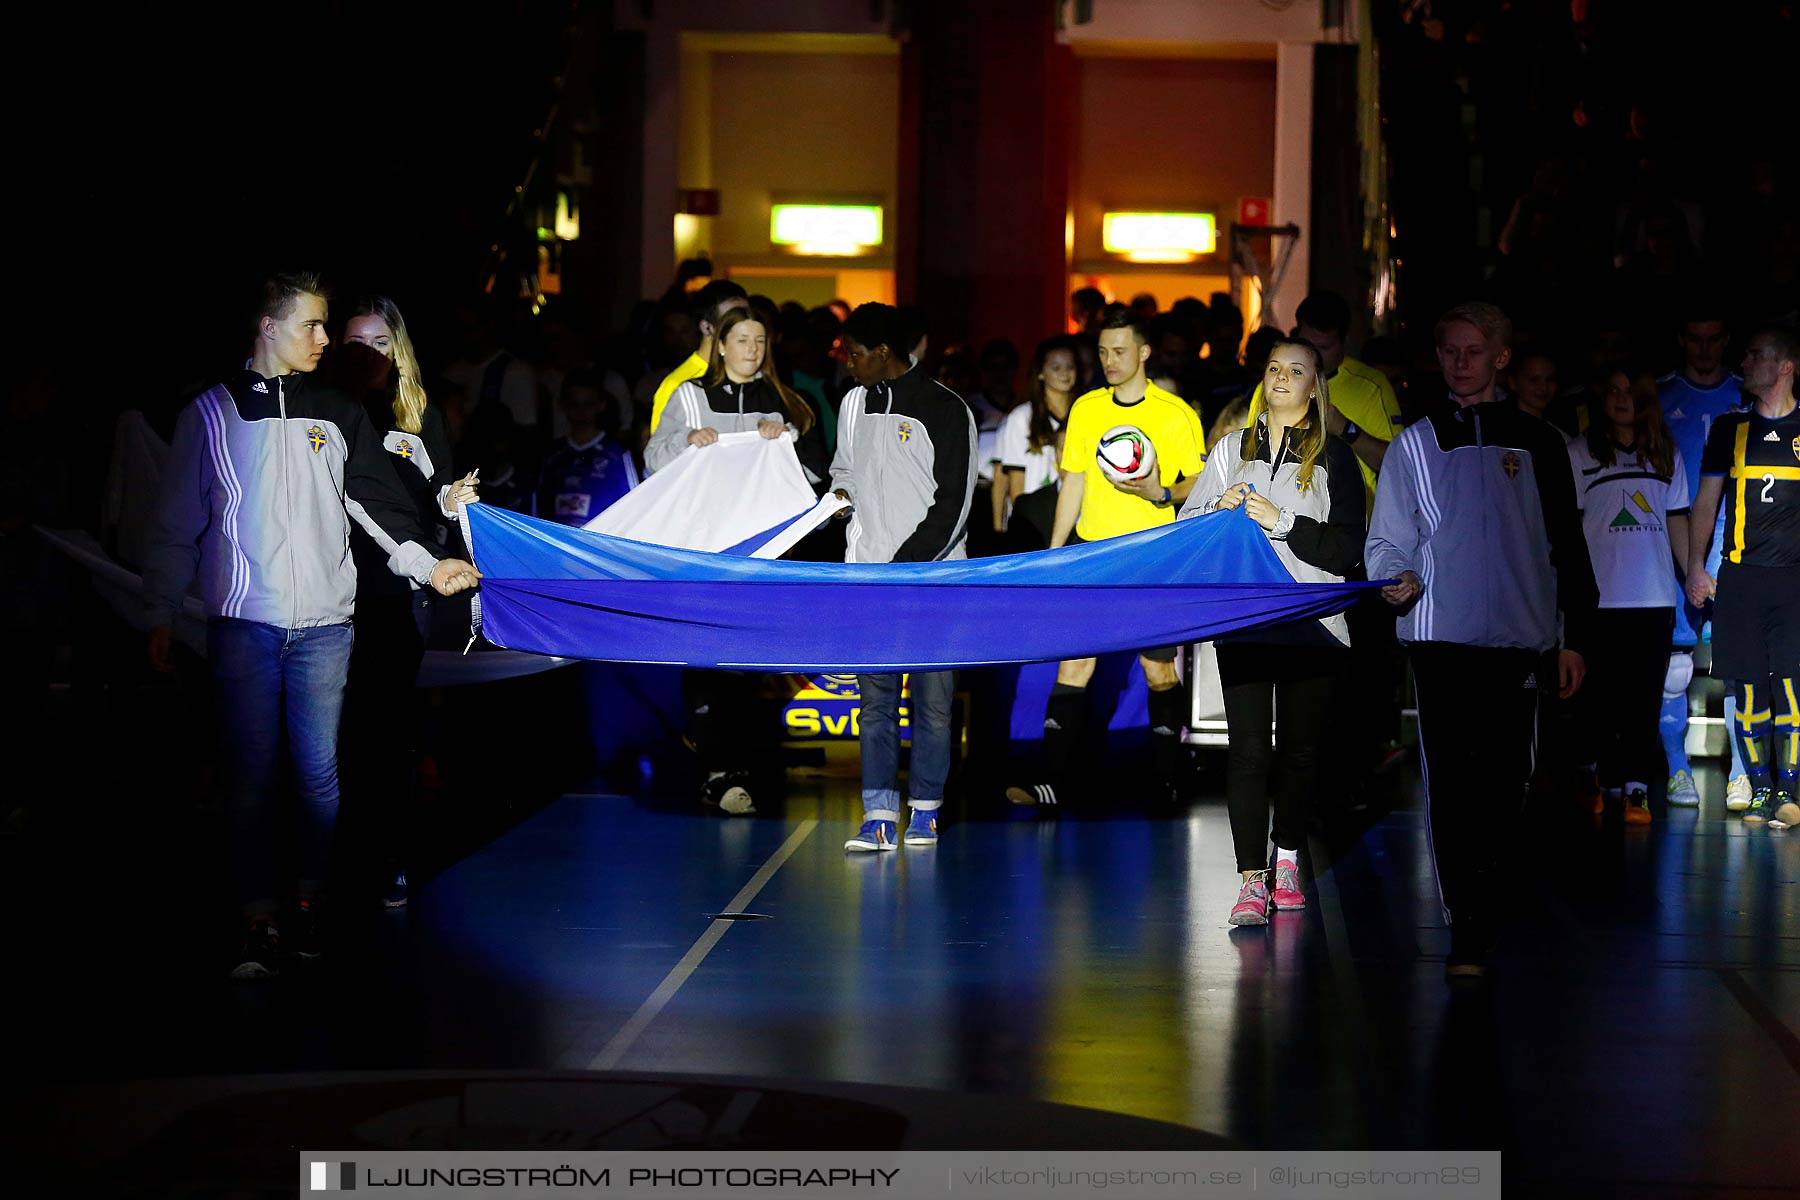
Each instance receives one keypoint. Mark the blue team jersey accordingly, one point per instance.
(1691, 411)
(578, 483)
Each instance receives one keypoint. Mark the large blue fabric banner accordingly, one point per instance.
(555, 590)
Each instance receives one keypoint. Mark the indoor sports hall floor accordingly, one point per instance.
(1639, 1037)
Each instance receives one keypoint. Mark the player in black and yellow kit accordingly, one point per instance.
(1090, 507)
(1752, 460)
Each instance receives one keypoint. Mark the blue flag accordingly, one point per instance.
(555, 590)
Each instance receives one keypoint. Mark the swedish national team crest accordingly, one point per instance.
(1511, 464)
(404, 449)
(316, 436)
(1797, 447)
(905, 431)
(838, 686)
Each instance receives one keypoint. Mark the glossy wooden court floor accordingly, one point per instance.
(1639, 1037)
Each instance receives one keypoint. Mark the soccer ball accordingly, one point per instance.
(1125, 454)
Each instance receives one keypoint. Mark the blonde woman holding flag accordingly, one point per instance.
(1302, 487)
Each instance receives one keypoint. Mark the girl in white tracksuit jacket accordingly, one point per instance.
(1303, 487)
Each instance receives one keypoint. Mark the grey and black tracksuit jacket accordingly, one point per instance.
(731, 408)
(906, 459)
(1320, 536)
(421, 463)
(264, 479)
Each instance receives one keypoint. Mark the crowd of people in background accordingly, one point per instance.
(1568, 505)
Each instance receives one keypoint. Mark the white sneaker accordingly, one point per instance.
(1737, 796)
(1682, 790)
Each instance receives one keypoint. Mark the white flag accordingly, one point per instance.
(714, 497)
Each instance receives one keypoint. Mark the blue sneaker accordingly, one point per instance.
(922, 830)
(874, 835)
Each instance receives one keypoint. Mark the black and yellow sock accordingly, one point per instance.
(1752, 731)
(1785, 749)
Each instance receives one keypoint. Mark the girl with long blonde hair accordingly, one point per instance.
(376, 364)
(1302, 487)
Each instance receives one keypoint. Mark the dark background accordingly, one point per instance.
(164, 156)
(168, 155)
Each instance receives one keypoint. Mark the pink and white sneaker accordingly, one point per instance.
(1252, 907)
(1288, 897)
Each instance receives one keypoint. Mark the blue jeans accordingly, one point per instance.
(270, 680)
(929, 712)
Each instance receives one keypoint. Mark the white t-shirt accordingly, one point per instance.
(1625, 511)
(987, 454)
(1015, 450)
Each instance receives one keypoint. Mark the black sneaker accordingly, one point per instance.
(729, 793)
(305, 941)
(1762, 806)
(396, 893)
(1040, 795)
(261, 955)
(1470, 949)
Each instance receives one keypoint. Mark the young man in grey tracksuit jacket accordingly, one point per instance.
(906, 462)
(267, 472)
(1476, 518)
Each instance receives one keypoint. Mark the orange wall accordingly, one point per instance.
(1170, 134)
(820, 123)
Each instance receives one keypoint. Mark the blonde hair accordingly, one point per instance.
(1493, 323)
(1231, 418)
(798, 410)
(409, 395)
(1311, 447)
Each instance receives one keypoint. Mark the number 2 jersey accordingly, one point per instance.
(1759, 459)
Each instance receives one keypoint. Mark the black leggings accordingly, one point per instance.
(1291, 687)
(719, 717)
(1621, 697)
(378, 745)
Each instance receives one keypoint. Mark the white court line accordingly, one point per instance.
(622, 1041)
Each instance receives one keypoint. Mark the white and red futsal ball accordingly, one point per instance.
(1125, 454)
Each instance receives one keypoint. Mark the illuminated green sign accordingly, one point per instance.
(1159, 236)
(836, 229)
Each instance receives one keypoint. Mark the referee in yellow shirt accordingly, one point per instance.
(1090, 507)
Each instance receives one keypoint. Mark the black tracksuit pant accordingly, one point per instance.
(1477, 724)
